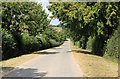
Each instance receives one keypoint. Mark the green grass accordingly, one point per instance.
(57, 28)
(112, 59)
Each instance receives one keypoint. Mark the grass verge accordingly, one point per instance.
(92, 65)
(10, 64)
(112, 59)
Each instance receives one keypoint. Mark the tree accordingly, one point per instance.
(27, 17)
(88, 18)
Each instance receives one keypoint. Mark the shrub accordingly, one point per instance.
(82, 42)
(45, 41)
(8, 45)
(112, 45)
(77, 43)
(50, 33)
(30, 43)
(98, 45)
(90, 42)
(16, 44)
(53, 43)
(62, 36)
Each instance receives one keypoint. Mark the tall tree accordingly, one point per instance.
(23, 17)
(88, 18)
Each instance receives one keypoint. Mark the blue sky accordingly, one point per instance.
(44, 4)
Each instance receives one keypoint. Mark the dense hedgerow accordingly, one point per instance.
(82, 42)
(44, 43)
(90, 42)
(8, 45)
(50, 33)
(23, 25)
(77, 43)
(29, 43)
(98, 45)
(112, 45)
(53, 43)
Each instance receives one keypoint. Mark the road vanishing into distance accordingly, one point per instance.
(59, 62)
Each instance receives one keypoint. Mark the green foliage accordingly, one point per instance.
(113, 45)
(62, 36)
(50, 33)
(53, 43)
(77, 43)
(19, 17)
(45, 41)
(24, 23)
(30, 43)
(91, 19)
(8, 45)
(98, 45)
(83, 42)
(57, 28)
(90, 42)
(87, 18)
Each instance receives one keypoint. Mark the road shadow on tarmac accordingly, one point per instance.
(4, 69)
(81, 51)
(46, 52)
(22, 73)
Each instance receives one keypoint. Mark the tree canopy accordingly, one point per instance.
(24, 17)
(88, 19)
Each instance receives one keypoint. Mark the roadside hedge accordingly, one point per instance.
(29, 43)
(112, 45)
(98, 45)
(90, 42)
(8, 45)
(53, 43)
(82, 43)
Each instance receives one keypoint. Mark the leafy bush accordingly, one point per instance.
(62, 36)
(44, 42)
(8, 45)
(50, 33)
(82, 42)
(98, 45)
(90, 42)
(53, 43)
(30, 43)
(77, 43)
(112, 45)
(17, 44)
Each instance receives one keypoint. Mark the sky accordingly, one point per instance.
(44, 4)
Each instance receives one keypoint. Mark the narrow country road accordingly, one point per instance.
(59, 62)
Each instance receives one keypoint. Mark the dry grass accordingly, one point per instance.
(10, 64)
(94, 66)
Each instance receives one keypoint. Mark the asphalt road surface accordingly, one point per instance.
(59, 62)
